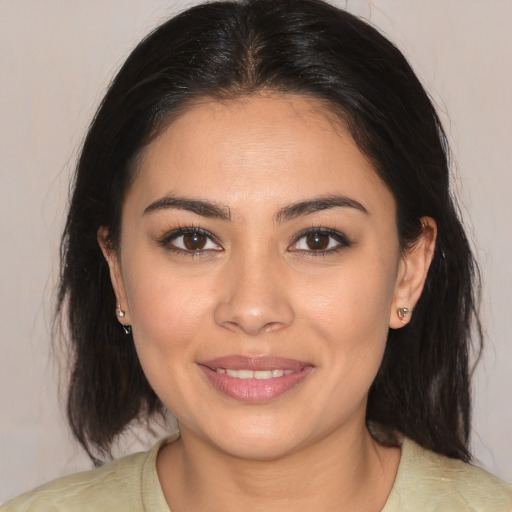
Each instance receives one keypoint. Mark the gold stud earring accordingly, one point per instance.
(402, 313)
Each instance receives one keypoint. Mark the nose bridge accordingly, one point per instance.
(254, 298)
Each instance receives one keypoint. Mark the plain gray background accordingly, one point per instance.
(56, 59)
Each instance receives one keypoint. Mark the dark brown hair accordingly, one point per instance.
(230, 49)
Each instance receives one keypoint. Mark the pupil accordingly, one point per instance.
(194, 241)
(317, 241)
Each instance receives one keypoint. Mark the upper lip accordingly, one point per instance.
(240, 362)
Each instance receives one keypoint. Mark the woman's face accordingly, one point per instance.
(260, 270)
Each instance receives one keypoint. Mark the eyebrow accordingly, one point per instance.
(316, 205)
(203, 208)
(218, 211)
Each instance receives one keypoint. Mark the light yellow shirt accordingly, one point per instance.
(425, 482)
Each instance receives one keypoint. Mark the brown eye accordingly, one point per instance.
(194, 241)
(320, 241)
(190, 241)
(317, 241)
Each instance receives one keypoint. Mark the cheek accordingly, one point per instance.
(350, 301)
(168, 318)
(166, 311)
(349, 310)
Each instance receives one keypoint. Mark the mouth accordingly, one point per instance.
(255, 380)
(253, 374)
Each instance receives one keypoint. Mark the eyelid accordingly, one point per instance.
(165, 240)
(341, 239)
(169, 236)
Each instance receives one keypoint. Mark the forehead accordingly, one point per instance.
(258, 149)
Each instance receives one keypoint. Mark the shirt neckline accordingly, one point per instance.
(153, 498)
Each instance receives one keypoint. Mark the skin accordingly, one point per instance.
(260, 289)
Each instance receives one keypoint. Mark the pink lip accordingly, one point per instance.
(238, 362)
(254, 390)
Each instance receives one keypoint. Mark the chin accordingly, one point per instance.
(261, 448)
(256, 438)
(251, 437)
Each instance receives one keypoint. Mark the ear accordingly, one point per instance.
(116, 276)
(412, 273)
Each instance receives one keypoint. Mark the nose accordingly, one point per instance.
(253, 299)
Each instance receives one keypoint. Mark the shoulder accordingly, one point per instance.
(431, 482)
(99, 489)
(119, 485)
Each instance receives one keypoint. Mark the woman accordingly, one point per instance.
(261, 239)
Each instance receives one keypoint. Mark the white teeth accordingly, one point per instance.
(243, 374)
(265, 374)
(250, 374)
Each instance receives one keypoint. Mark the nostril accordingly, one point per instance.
(253, 309)
(231, 326)
(272, 326)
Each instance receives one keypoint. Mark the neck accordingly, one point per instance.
(346, 471)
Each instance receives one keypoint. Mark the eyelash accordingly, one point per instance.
(168, 238)
(341, 241)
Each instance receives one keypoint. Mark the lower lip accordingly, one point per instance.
(254, 390)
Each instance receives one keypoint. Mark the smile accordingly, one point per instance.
(255, 379)
(253, 374)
